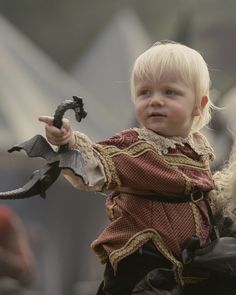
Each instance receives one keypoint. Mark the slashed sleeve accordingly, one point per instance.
(94, 177)
(100, 172)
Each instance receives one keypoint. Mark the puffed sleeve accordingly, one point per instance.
(99, 169)
(93, 168)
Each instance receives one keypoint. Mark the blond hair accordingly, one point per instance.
(188, 63)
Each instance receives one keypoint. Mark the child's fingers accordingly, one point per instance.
(66, 125)
(59, 140)
(53, 131)
(57, 136)
(46, 119)
(49, 121)
(54, 135)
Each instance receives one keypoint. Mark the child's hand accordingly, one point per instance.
(58, 136)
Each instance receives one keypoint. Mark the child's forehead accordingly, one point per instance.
(169, 76)
(165, 77)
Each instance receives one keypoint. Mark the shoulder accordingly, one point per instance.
(201, 145)
(122, 139)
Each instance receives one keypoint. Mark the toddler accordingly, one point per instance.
(158, 176)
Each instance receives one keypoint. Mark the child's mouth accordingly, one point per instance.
(157, 115)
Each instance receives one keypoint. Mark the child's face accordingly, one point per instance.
(166, 106)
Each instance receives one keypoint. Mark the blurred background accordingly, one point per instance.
(51, 50)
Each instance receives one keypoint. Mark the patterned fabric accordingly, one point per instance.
(137, 163)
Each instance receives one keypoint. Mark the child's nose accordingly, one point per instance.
(157, 99)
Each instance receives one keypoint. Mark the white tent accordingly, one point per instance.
(31, 84)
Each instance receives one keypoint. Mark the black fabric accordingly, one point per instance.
(194, 196)
(147, 272)
(131, 270)
(215, 285)
(159, 281)
(218, 256)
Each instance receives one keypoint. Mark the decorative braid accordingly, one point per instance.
(197, 219)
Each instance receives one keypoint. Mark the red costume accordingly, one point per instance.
(138, 163)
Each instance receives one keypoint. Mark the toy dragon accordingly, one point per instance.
(38, 146)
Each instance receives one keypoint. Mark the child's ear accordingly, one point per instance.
(196, 110)
(204, 102)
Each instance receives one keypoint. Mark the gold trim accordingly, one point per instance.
(197, 218)
(134, 150)
(110, 169)
(188, 184)
(135, 241)
(102, 256)
(84, 145)
(194, 280)
(182, 160)
(138, 148)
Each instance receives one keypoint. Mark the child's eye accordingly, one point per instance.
(170, 92)
(145, 93)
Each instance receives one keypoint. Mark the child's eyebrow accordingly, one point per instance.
(171, 85)
(143, 85)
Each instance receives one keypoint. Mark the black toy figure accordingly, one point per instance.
(38, 146)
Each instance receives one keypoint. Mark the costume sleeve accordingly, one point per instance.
(100, 173)
(93, 168)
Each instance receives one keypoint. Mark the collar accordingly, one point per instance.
(196, 141)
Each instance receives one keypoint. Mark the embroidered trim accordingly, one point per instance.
(197, 141)
(110, 209)
(102, 256)
(195, 280)
(138, 148)
(197, 219)
(134, 150)
(181, 160)
(138, 239)
(188, 184)
(110, 169)
(84, 144)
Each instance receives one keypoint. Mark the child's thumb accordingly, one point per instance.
(46, 119)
